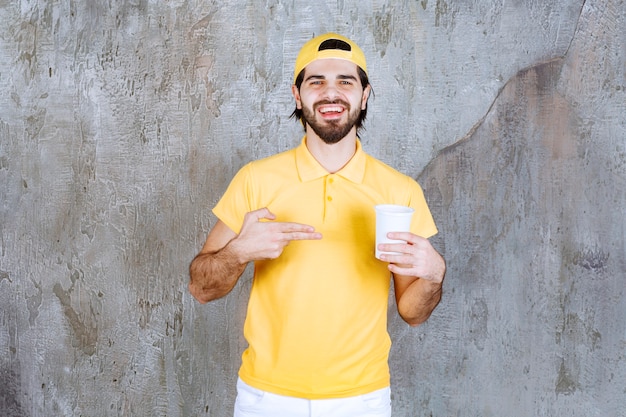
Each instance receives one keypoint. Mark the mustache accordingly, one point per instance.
(326, 102)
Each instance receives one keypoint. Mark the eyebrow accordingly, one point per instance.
(322, 77)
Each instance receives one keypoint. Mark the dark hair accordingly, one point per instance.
(297, 113)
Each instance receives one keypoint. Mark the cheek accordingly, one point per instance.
(363, 102)
(305, 100)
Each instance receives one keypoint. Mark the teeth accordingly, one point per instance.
(330, 109)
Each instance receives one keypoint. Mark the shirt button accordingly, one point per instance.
(331, 180)
(329, 198)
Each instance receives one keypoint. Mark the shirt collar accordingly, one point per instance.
(309, 169)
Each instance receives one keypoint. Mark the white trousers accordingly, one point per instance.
(252, 402)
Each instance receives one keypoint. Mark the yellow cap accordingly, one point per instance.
(330, 45)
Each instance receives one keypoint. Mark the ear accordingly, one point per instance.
(366, 94)
(296, 95)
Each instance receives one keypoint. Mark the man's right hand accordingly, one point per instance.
(260, 239)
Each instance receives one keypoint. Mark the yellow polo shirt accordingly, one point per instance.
(317, 317)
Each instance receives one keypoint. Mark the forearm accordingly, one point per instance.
(225, 254)
(213, 275)
(418, 301)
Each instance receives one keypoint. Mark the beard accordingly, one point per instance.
(334, 130)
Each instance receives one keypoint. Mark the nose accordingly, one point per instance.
(331, 92)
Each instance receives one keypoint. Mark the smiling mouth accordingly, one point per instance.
(331, 109)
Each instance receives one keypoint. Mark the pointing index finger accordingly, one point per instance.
(299, 231)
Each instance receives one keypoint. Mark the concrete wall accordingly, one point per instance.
(121, 123)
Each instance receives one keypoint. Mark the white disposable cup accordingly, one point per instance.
(391, 218)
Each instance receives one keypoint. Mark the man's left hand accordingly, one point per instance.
(416, 258)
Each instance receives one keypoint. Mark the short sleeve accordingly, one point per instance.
(423, 223)
(235, 202)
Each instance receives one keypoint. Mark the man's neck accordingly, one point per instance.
(333, 156)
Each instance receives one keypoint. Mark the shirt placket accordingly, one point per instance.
(329, 193)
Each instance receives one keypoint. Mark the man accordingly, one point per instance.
(317, 314)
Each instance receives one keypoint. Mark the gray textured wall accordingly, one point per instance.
(121, 123)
